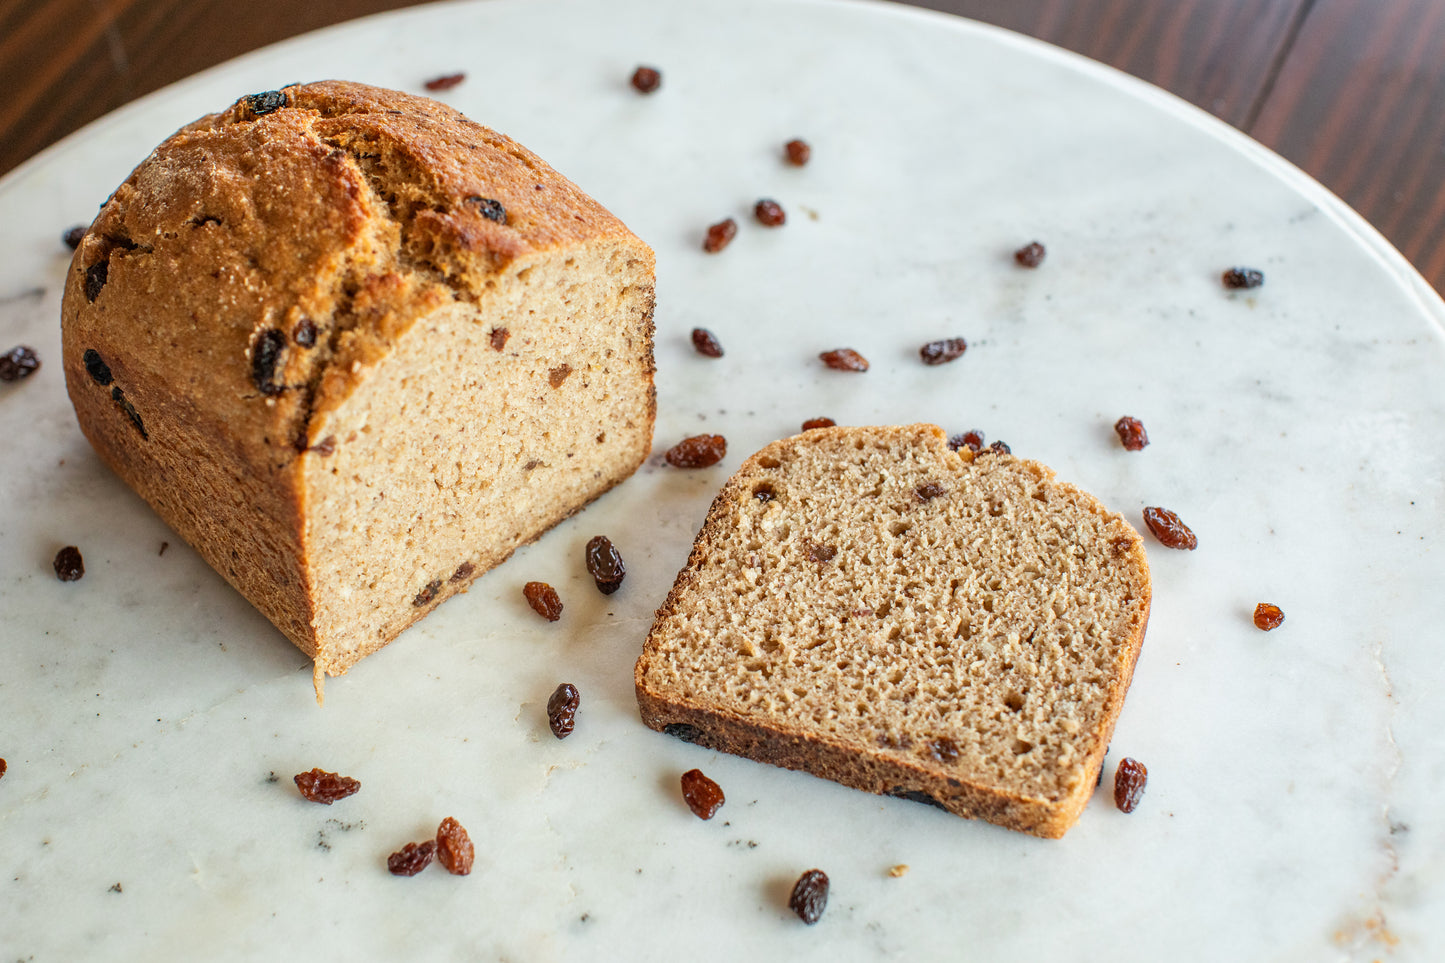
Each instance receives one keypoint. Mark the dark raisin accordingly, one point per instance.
(706, 343)
(798, 152)
(720, 235)
(73, 236)
(3, 767)
(604, 563)
(770, 213)
(543, 599)
(646, 79)
(1171, 532)
(489, 208)
(699, 451)
(812, 423)
(69, 566)
(1131, 433)
(942, 352)
(844, 359)
(1268, 616)
(411, 858)
(454, 848)
(124, 405)
(998, 448)
(943, 749)
(1239, 278)
(1031, 255)
(1129, 779)
(972, 440)
(499, 338)
(428, 593)
(464, 571)
(96, 367)
(683, 731)
(929, 491)
(559, 374)
(821, 554)
(266, 353)
(917, 795)
(704, 797)
(304, 334)
(19, 362)
(95, 278)
(266, 102)
(810, 896)
(764, 493)
(324, 787)
(445, 81)
(562, 709)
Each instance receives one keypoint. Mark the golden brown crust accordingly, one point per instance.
(719, 723)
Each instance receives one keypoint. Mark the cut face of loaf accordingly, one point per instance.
(871, 607)
(356, 349)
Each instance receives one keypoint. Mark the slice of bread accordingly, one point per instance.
(871, 607)
(356, 348)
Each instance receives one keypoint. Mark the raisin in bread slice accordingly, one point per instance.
(869, 606)
(356, 348)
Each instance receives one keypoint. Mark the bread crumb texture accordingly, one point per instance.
(341, 322)
(869, 606)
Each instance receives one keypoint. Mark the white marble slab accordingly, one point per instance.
(1292, 811)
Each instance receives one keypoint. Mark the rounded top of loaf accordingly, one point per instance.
(262, 258)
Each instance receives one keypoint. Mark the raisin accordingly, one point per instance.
(454, 848)
(942, 352)
(683, 731)
(798, 152)
(943, 749)
(96, 367)
(821, 554)
(19, 362)
(646, 79)
(810, 896)
(559, 374)
(844, 359)
(499, 338)
(764, 493)
(1239, 278)
(73, 236)
(411, 858)
(998, 448)
(543, 599)
(720, 235)
(326, 446)
(124, 405)
(812, 423)
(464, 571)
(971, 439)
(1171, 532)
(1131, 433)
(69, 566)
(489, 208)
(562, 709)
(428, 593)
(1268, 616)
(704, 797)
(605, 564)
(304, 334)
(918, 796)
(266, 102)
(770, 213)
(929, 491)
(324, 787)
(266, 353)
(706, 343)
(95, 277)
(1031, 255)
(445, 81)
(1129, 779)
(3, 767)
(699, 451)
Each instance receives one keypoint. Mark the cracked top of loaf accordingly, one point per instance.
(266, 255)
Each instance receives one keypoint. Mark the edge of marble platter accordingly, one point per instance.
(740, 773)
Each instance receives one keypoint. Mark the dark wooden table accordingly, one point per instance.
(1353, 91)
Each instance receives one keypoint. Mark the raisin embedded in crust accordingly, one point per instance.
(266, 353)
(266, 102)
(95, 277)
(489, 207)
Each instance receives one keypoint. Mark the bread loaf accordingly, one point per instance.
(871, 607)
(355, 349)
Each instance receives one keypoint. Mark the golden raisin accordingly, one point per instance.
(454, 848)
(1268, 616)
(543, 599)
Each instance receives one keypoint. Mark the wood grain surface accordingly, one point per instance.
(1353, 91)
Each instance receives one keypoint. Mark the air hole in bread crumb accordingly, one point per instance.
(899, 527)
(1014, 701)
(1022, 746)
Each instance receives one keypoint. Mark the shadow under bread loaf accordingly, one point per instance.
(356, 349)
(872, 607)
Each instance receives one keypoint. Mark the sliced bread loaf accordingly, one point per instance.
(869, 606)
(356, 348)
